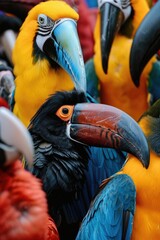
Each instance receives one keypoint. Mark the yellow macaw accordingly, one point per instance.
(127, 204)
(47, 56)
(115, 27)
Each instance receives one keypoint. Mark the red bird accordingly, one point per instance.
(23, 205)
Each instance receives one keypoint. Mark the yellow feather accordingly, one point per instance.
(116, 87)
(146, 223)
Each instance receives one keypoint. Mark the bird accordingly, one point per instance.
(51, 60)
(84, 24)
(7, 85)
(23, 203)
(145, 45)
(127, 204)
(77, 144)
(107, 73)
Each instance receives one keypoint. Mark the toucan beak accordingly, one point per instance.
(145, 43)
(14, 139)
(111, 21)
(106, 126)
(63, 47)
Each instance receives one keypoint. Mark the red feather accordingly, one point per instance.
(3, 103)
(24, 212)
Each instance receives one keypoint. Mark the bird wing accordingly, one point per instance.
(103, 163)
(111, 213)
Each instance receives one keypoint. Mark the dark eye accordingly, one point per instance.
(42, 19)
(65, 110)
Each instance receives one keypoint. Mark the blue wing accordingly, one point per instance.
(111, 213)
(103, 163)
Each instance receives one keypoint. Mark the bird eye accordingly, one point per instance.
(65, 112)
(42, 19)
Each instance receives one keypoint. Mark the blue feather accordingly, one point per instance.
(105, 217)
(103, 163)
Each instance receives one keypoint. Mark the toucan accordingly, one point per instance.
(77, 145)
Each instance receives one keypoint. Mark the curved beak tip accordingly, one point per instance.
(146, 161)
(105, 65)
(14, 133)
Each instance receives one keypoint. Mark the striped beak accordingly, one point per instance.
(106, 126)
(61, 44)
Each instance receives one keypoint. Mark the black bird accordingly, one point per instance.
(63, 131)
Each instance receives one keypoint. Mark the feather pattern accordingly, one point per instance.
(108, 209)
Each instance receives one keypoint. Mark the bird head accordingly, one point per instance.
(120, 16)
(66, 119)
(146, 43)
(48, 38)
(15, 139)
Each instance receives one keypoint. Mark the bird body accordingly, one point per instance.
(146, 218)
(116, 87)
(135, 190)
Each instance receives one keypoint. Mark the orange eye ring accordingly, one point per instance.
(65, 112)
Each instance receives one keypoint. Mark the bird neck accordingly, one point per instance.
(145, 180)
(43, 81)
(140, 8)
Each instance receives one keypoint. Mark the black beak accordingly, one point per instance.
(111, 21)
(106, 126)
(145, 43)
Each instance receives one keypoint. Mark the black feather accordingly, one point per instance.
(71, 173)
(59, 162)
